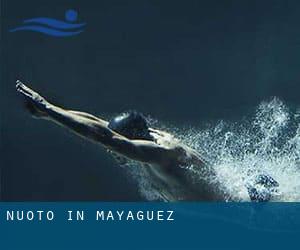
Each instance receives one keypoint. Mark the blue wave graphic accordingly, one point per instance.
(47, 31)
(55, 27)
(53, 23)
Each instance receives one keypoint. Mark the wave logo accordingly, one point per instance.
(53, 27)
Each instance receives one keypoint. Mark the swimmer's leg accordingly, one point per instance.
(263, 188)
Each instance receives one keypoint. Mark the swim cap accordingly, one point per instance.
(132, 125)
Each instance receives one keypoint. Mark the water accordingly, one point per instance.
(268, 141)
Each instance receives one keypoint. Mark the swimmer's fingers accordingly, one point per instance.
(37, 102)
(161, 133)
(24, 90)
(154, 135)
(28, 93)
(154, 130)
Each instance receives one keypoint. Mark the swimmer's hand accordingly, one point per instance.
(35, 103)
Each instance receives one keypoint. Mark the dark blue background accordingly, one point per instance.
(182, 62)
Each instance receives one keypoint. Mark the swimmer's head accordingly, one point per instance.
(132, 125)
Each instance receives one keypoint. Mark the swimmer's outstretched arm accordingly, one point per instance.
(95, 129)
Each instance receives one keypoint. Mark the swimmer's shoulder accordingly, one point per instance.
(185, 155)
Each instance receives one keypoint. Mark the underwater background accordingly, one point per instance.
(222, 75)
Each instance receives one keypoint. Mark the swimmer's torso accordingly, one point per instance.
(177, 179)
(181, 183)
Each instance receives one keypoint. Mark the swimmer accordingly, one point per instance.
(129, 136)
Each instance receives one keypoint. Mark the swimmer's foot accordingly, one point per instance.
(34, 103)
(263, 188)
